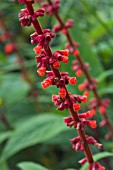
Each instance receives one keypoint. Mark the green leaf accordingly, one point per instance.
(11, 67)
(3, 166)
(12, 88)
(4, 136)
(2, 58)
(35, 130)
(100, 30)
(31, 166)
(104, 75)
(108, 145)
(86, 53)
(106, 90)
(4, 6)
(96, 158)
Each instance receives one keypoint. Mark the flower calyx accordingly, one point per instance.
(51, 9)
(26, 18)
(69, 24)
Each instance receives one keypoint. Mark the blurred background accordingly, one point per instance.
(31, 129)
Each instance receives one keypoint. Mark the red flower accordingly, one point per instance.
(82, 86)
(92, 123)
(65, 59)
(37, 49)
(41, 71)
(76, 53)
(79, 72)
(72, 80)
(76, 107)
(62, 93)
(46, 83)
(56, 64)
(9, 48)
(102, 109)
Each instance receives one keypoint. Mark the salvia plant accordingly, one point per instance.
(48, 63)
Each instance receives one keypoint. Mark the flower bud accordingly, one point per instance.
(84, 98)
(82, 86)
(79, 72)
(83, 161)
(9, 48)
(102, 109)
(37, 49)
(76, 53)
(76, 107)
(41, 71)
(86, 93)
(46, 83)
(56, 64)
(64, 31)
(62, 93)
(65, 59)
(89, 114)
(92, 123)
(65, 52)
(72, 80)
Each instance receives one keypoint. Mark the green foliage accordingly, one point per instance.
(38, 133)
(13, 88)
(87, 53)
(37, 129)
(31, 165)
(5, 135)
(4, 166)
(100, 31)
(104, 75)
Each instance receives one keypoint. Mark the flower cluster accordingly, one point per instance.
(26, 18)
(64, 103)
(78, 145)
(64, 100)
(68, 24)
(94, 166)
(44, 60)
(102, 107)
(42, 39)
(73, 49)
(88, 86)
(59, 82)
(50, 9)
(69, 121)
(77, 68)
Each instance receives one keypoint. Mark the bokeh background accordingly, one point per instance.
(31, 129)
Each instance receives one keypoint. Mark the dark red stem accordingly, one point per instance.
(38, 29)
